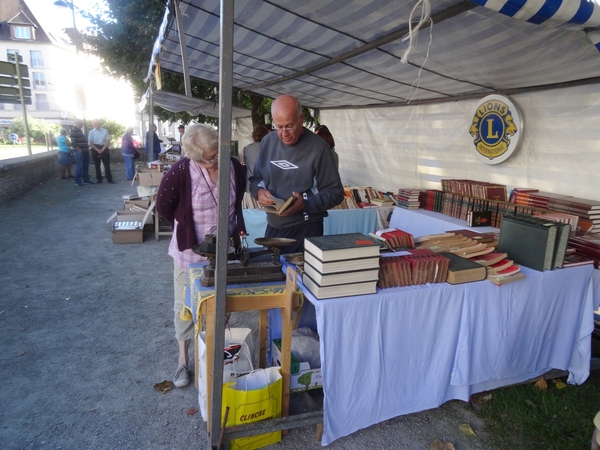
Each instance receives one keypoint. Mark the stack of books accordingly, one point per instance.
(408, 198)
(463, 270)
(534, 242)
(478, 189)
(460, 245)
(585, 209)
(499, 268)
(340, 265)
(411, 267)
(587, 246)
(394, 239)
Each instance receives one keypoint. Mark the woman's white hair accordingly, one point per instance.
(198, 139)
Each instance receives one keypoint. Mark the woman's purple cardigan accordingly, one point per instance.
(174, 201)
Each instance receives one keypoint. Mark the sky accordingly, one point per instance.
(106, 96)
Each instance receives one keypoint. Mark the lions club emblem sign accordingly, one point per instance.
(496, 128)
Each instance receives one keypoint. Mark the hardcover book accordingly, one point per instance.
(499, 281)
(341, 266)
(489, 258)
(462, 270)
(337, 247)
(341, 290)
(528, 242)
(331, 279)
(279, 206)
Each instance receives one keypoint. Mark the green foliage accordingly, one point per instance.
(37, 129)
(557, 419)
(123, 37)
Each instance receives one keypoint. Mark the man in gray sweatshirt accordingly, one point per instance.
(294, 161)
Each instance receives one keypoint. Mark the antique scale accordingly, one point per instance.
(249, 265)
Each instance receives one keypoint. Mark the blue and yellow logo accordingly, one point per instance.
(492, 128)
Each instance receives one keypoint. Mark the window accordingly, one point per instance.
(21, 32)
(11, 52)
(39, 80)
(41, 102)
(36, 59)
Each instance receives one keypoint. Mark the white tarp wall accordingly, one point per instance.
(388, 148)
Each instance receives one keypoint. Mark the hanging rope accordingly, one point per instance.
(412, 32)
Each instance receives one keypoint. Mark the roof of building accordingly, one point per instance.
(16, 12)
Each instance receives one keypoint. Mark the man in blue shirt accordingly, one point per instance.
(98, 140)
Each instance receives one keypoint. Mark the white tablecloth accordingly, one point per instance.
(420, 222)
(409, 349)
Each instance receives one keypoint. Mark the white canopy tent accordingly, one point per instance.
(399, 102)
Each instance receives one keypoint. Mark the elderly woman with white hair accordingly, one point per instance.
(187, 198)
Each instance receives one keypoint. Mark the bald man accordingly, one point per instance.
(294, 161)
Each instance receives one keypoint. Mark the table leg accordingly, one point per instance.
(262, 338)
(210, 344)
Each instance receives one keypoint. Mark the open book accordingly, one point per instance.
(279, 206)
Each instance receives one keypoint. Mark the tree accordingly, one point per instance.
(123, 37)
(38, 128)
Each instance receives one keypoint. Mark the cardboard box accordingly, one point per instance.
(302, 377)
(129, 236)
(141, 203)
(150, 178)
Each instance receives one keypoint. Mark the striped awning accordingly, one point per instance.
(348, 53)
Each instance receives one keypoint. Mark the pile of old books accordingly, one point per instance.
(587, 210)
(340, 265)
(499, 268)
(585, 249)
(469, 261)
(393, 239)
(412, 266)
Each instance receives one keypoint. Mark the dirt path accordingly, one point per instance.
(86, 331)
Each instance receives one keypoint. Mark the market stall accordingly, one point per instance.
(345, 58)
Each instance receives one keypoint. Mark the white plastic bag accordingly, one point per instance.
(238, 364)
(305, 346)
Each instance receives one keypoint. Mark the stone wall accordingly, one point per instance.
(19, 175)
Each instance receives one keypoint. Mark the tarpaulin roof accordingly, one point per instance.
(192, 105)
(349, 53)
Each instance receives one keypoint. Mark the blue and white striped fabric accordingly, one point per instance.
(579, 12)
(304, 48)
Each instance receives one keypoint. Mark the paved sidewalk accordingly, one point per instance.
(86, 331)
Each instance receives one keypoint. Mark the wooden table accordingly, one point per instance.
(248, 297)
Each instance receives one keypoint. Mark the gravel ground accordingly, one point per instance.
(86, 331)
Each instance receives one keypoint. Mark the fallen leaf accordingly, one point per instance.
(21, 353)
(164, 387)
(560, 384)
(541, 384)
(93, 409)
(192, 411)
(439, 445)
(466, 429)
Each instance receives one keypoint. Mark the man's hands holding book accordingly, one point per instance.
(269, 203)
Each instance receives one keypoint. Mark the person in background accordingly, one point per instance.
(294, 161)
(64, 154)
(79, 144)
(156, 143)
(181, 130)
(99, 140)
(187, 198)
(326, 135)
(250, 151)
(128, 151)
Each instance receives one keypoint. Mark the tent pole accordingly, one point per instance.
(225, 94)
(183, 48)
